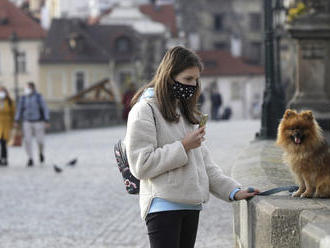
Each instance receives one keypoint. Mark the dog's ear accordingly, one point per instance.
(307, 115)
(289, 113)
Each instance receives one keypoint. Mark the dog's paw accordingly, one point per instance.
(307, 195)
(296, 194)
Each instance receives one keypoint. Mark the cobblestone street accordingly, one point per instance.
(86, 205)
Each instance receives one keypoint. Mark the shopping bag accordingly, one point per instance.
(15, 137)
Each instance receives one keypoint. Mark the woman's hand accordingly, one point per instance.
(194, 139)
(244, 194)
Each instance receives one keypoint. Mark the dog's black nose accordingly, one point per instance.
(297, 134)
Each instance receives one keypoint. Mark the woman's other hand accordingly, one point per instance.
(194, 139)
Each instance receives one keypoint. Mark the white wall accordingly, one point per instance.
(247, 89)
(32, 51)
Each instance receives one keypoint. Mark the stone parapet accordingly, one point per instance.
(279, 220)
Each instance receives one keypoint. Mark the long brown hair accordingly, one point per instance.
(176, 60)
(8, 98)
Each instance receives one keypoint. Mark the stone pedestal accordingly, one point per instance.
(312, 32)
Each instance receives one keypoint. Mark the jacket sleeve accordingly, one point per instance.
(145, 158)
(220, 185)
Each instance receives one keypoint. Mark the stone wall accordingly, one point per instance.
(84, 116)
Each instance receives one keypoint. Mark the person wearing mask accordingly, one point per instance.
(165, 150)
(32, 110)
(7, 112)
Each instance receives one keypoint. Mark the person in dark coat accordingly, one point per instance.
(216, 102)
(201, 100)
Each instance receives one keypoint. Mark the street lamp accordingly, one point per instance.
(14, 48)
(279, 21)
(273, 105)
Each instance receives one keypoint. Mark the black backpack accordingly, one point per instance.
(131, 183)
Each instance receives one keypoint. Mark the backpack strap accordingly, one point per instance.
(153, 113)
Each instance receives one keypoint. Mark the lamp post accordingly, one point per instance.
(279, 21)
(273, 103)
(14, 48)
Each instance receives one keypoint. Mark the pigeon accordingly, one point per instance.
(57, 169)
(72, 162)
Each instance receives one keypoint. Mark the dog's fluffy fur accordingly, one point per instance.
(306, 152)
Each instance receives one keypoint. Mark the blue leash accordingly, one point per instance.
(291, 189)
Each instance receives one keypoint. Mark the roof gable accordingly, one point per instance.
(164, 14)
(222, 63)
(73, 41)
(15, 20)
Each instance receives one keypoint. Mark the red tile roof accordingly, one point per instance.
(222, 63)
(164, 14)
(13, 19)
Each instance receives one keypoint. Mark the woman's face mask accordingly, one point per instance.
(182, 91)
(186, 83)
(2, 95)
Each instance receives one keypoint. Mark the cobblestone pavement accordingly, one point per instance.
(86, 206)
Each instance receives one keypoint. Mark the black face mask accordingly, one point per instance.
(182, 91)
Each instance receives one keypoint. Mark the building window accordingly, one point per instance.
(80, 81)
(235, 91)
(218, 22)
(220, 45)
(255, 52)
(123, 44)
(21, 62)
(255, 22)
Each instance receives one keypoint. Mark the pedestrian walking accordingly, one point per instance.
(33, 111)
(7, 113)
(166, 152)
(216, 102)
(200, 102)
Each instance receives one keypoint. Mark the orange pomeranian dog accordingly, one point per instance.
(306, 152)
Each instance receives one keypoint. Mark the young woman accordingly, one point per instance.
(165, 151)
(7, 112)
